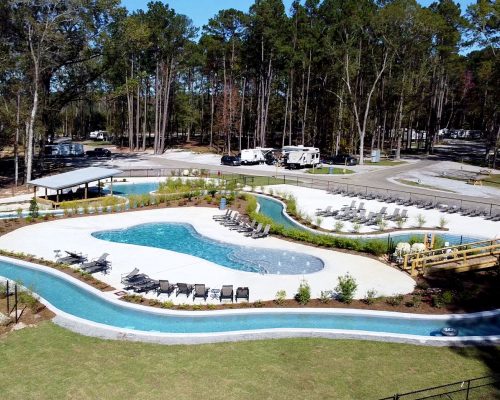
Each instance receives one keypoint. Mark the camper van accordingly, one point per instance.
(254, 156)
(296, 157)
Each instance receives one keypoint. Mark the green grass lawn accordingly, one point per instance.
(326, 170)
(386, 163)
(49, 362)
(493, 181)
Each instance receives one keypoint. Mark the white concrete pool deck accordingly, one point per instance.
(309, 200)
(74, 234)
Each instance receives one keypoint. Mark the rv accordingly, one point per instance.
(64, 150)
(254, 156)
(300, 157)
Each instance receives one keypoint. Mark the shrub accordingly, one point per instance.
(376, 247)
(258, 304)
(423, 285)
(447, 297)
(436, 301)
(3, 290)
(400, 222)
(382, 224)
(346, 288)
(443, 222)
(420, 220)
(29, 300)
(303, 295)
(395, 300)
(325, 296)
(415, 301)
(280, 297)
(33, 210)
(370, 296)
(339, 225)
(319, 221)
(19, 212)
(356, 227)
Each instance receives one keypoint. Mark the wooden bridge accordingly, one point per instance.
(462, 258)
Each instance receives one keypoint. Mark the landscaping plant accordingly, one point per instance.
(346, 288)
(303, 295)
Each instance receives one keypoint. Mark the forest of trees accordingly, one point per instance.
(335, 74)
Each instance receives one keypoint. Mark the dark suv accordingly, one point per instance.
(230, 160)
(99, 152)
(342, 159)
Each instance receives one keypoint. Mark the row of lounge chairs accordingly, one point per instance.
(420, 203)
(359, 214)
(100, 264)
(235, 221)
(141, 283)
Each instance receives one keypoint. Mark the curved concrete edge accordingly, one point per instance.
(346, 236)
(94, 329)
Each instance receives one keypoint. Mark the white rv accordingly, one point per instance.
(300, 157)
(254, 156)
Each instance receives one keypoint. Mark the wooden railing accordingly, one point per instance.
(460, 258)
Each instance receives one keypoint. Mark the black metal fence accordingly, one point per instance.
(315, 183)
(484, 388)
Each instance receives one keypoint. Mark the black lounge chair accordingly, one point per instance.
(165, 287)
(320, 212)
(394, 216)
(255, 231)
(101, 261)
(183, 288)
(262, 234)
(226, 293)
(223, 216)
(92, 269)
(200, 290)
(72, 258)
(247, 227)
(148, 285)
(130, 276)
(242, 293)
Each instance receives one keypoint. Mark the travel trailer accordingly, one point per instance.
(296, 157)
(254, 156)
(64, 150)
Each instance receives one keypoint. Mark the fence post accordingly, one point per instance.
(468, 390)
(8, 295)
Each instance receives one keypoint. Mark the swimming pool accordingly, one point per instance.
(183, 238)
(76, 299)
(127, 189)
(274, 210)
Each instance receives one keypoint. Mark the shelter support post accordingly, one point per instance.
(86, 190)
(111, 186)
(45, 193)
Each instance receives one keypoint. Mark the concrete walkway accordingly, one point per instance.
(75, 234)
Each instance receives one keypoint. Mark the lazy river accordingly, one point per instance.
(72, 297)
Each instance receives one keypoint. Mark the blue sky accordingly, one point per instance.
(200, 11)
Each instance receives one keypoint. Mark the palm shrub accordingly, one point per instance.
(280, 297)
(346, 288)
(420, 220)
(443, 222)
(339, 225)
(400, 222)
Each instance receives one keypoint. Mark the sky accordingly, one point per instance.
(200, 11)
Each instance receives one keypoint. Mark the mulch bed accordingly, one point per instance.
(28, 317)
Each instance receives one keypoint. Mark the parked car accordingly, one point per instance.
(230, 160)
(98, 152)
(342, 159)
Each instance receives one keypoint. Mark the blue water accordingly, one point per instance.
(127, 189)
(73, 300)
(183, 238)
(274, 210)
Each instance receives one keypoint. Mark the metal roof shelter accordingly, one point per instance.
(74, 178)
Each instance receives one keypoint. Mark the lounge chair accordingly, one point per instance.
(223, 216)
(404, 215)
(383, 211)
(242, 293)
(248, 227)
(183, 288)
(226, 292)
(234, 222)
(104, 268)
(72, 258)
(101, 261)
(256, 230)
(200, 290)
(394, 216)
(360, 216)
(367, 218)
(235, 218)
(127, 277)
(165, 287)
(327, 210)
(147, 286)
(262, 234)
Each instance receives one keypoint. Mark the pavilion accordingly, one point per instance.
(71, 179)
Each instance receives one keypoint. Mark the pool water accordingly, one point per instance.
(74, 300)
(183, 238)
(127, 189)
(274, 210)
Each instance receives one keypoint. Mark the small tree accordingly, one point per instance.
(33, 210)
(420, 220)
(304, 293)
(346, 288)
(400, 222)
(382, 224)
(339, 225)
(443, 222)
(356, 227)
(280, 297)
